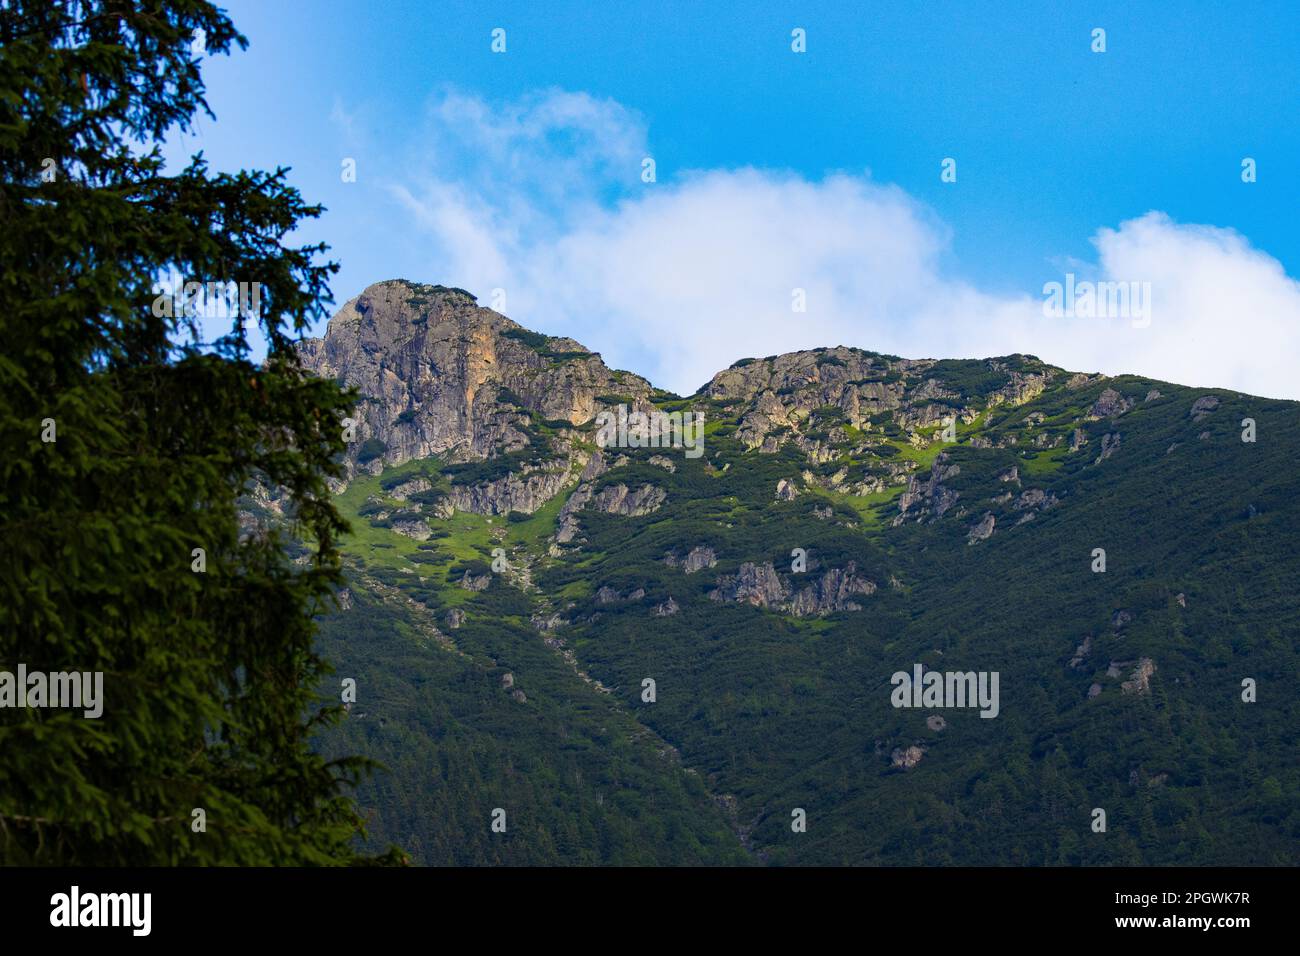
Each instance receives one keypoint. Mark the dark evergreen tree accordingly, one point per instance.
(125, 441)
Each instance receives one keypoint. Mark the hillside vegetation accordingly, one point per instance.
(852, 515)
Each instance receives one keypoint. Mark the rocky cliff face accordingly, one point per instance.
(929, 498)
(440, 375)
(516, 492)
(785, 393)
(761, 586)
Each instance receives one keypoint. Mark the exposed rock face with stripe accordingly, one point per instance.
(440, 375)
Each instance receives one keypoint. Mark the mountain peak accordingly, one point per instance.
(443, 376)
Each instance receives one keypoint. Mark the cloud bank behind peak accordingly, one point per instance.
(543, 197)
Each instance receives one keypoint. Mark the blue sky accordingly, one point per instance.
(821, 171)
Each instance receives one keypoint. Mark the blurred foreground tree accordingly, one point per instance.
(126, 438)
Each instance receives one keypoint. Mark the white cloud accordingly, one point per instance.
(1223, 312)
(679, 278)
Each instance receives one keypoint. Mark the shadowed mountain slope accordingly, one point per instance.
(648, 655)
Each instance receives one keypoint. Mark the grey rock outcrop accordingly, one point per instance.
(1081, 652)
(547, 622)
(906, 757)
(475, 582)
(983, 530)
(1110, 404)
(515, 492)
(1139, 681)
(697, 559)
(1203, 406)
(835, 590)
(412, 527)
(756, 584)
(1109, 445)
(783, 394)
(1034, 498)
(929, 498)
(568, 527)
(444, 376)
(761, 586)
(407, 488)
(620, 500)
(666, 609)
